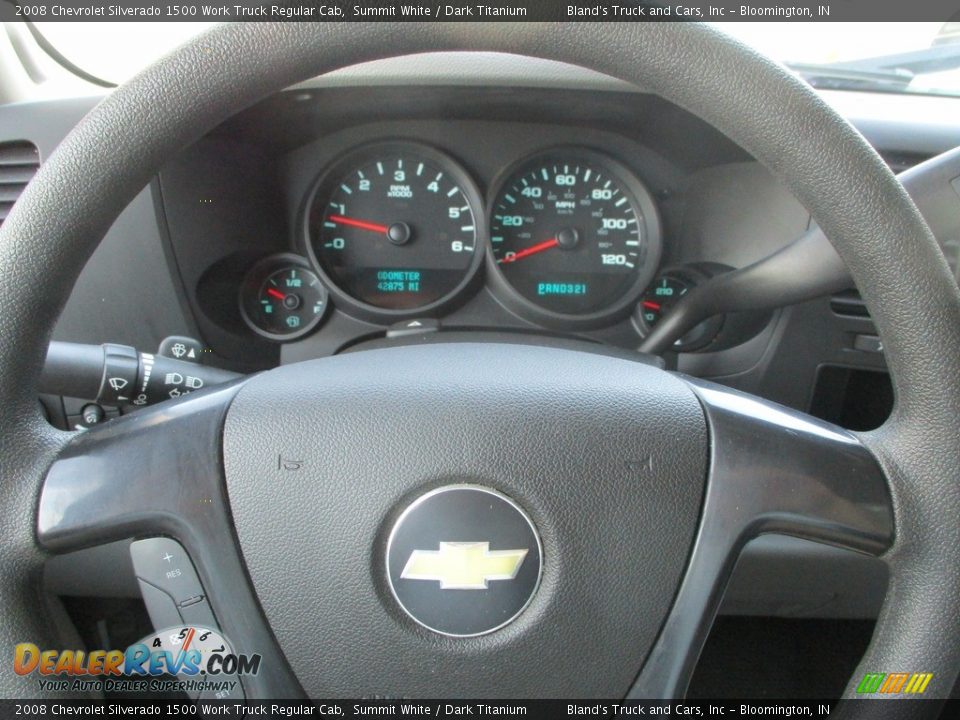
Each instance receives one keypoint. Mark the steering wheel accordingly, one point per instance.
(640, 485)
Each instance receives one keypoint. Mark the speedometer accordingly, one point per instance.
(575, 238)
(395, 230)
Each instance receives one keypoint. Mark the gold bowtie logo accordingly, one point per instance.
(463, 565)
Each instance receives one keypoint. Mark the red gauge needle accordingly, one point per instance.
(532, 250)
(362, 224)
(186, 643)
(650, 305)
(272, 292)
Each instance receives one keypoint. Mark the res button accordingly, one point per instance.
(164, 563)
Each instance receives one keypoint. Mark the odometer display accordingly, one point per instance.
(574, 234)
(395, 227)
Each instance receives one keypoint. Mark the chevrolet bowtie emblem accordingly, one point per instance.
(463, 565)
(420, 548)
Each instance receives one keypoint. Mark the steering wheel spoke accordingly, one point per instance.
(159, 473)
(772, 470)
(154, 471)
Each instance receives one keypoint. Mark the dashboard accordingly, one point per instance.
(488, 198)
(195, 253)
(578, 215)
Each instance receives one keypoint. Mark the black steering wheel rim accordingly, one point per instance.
(890, 252)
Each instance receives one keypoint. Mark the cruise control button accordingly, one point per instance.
(160, 607)
(198, 613)
(163, 563)
(224, 693)
(163, 614)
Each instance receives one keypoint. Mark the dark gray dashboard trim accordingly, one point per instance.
(159, 208)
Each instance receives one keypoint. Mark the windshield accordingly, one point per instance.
(918, 57)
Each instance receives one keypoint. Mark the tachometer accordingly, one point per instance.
(395, 229)
(575, 237)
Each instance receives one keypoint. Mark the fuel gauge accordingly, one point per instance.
(282, 299)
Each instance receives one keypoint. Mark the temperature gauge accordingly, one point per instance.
(282, 299)
(667, 289)
(660, 296)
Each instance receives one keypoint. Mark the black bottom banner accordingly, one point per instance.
(546, 709)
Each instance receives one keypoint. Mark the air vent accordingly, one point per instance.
(18, 164)
(849, 303)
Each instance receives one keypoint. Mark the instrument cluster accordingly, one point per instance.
(567, 238)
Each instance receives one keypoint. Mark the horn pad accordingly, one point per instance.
(326, 461)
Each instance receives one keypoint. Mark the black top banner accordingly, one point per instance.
(489, 11)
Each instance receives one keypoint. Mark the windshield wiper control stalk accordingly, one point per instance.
(121, 375)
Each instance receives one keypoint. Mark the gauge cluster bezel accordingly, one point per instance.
(338, 169)
(645, 207)
(482, 273)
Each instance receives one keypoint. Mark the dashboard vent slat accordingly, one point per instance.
(19, 153)
(10, 193)
(22, 174)
(850, 304)
(19, 162)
